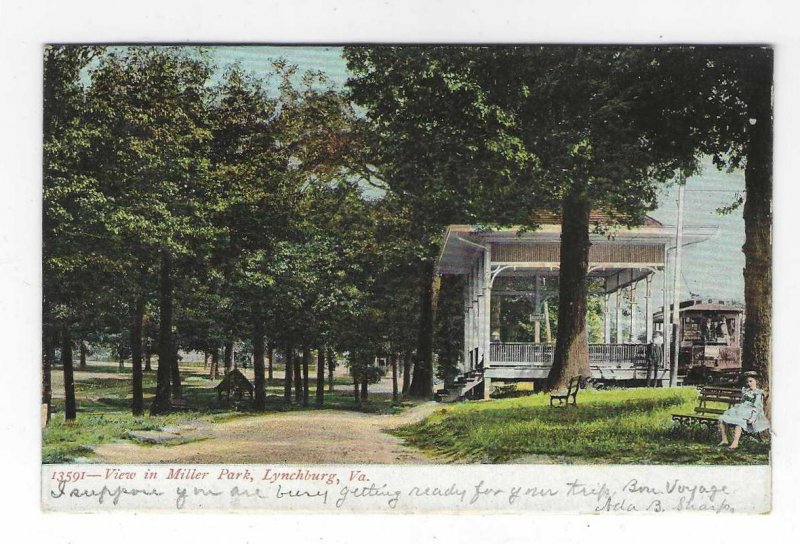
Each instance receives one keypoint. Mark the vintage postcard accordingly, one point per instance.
(439, 278)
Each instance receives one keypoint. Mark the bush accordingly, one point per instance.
(508, 392)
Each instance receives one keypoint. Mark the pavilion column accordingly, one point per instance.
(537, 322)
(547, 333)
(478, 345)
(607, 319)
(486, 308)
(632, 336)
(648, 310)
(473, 310)
(619, 316)
(487, 303)
(467, 324)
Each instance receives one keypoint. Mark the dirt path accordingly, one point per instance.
(321, 437)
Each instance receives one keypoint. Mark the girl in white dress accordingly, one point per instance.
(747, 415)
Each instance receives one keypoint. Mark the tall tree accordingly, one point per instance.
(497, 134)
(717, 100)
(755, 73)
(148, 113)
(732, 104)
(73, 246)
(436, 148)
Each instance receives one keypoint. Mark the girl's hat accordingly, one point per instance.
(750, 374)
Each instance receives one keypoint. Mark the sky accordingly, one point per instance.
(711, 269)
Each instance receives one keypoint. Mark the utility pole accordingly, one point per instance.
(676, 301)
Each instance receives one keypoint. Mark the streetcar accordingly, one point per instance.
(710, 341)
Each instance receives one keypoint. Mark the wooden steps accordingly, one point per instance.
(463, 385)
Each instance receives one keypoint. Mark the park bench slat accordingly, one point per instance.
(709, 410)
(709, 394)
(722, 400)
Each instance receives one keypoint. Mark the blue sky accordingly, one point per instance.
(258, 59)
(712, 269)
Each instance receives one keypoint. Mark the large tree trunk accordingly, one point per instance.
(214, 371)
(407, 362)
(148, 356)
(137, 404)
(228, 361)
(395, 392)
(260, 402)
(422, 381)
(271, 356)
(756, 353)
(161, 402)
(571, 357)
(306, 363)
(48, 357)
(331, 368)
(82, 363)
(298, 380)
(287, 373)
(320, 376)
(176, 374)
(70, 410)
(356, 391)
(364, 389)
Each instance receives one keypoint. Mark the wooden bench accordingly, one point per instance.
(563, 398)
(709, 415)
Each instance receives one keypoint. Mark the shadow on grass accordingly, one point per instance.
(104, 410)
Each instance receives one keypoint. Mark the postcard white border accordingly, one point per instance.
(394, 489)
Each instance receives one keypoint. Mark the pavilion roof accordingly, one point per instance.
(463, 243)
(596, 217)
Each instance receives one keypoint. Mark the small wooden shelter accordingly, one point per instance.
(236, 385)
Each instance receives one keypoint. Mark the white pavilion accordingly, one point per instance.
(619, 260)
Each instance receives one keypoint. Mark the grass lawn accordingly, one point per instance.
(614, 426)
(103, 395)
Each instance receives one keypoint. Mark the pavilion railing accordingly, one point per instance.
(522, 353)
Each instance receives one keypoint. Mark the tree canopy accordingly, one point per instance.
(496, 134)
(192, 208)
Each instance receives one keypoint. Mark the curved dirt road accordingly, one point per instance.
(319, 437)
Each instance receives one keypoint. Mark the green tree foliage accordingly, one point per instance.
(497, 133)
(188, 209)
(717, 100)
(232, 207)
(73, 247)
(732, 103)
(148, 113)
